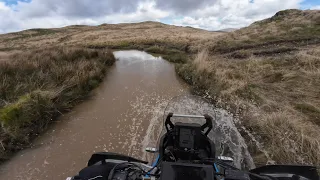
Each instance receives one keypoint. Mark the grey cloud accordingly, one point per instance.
(183, 6)
(76, 9)
(98, 8)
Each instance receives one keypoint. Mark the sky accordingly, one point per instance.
(17, 15)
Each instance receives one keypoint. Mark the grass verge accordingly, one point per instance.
(38, 85)
(275, 97)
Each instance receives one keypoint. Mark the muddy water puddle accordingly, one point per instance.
(123, 115)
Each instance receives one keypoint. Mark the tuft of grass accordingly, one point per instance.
(157, 50)
(30, 114)
(296, 137)
(310, 110)
(171, 54)
(241, 54)
(37, 85)
(124, 45)
(7, 49)
(176, 58)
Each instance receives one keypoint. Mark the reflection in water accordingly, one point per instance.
(134, 56)
(124, 115)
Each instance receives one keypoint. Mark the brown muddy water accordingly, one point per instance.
(124, 115)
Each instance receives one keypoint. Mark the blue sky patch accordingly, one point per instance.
(307, 4)
(13, 2)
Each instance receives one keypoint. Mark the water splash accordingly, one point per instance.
(225, 135)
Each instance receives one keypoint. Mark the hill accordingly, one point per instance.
(228, 30)
(105, 35)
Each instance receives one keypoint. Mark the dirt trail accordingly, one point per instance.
(123, 115)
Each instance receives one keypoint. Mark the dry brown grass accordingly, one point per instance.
(108, 35)
(279, 94)
(38, 85)
(274, 87)
(202, 61)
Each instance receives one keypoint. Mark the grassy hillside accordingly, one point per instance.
(136, 35)
(268, 74)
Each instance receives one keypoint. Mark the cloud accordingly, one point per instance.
(72, 9)
(234, 14)
(145, 12)
(315, 8)
(49, 13)
(183, 6)
(3, 7)
(207, 14)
